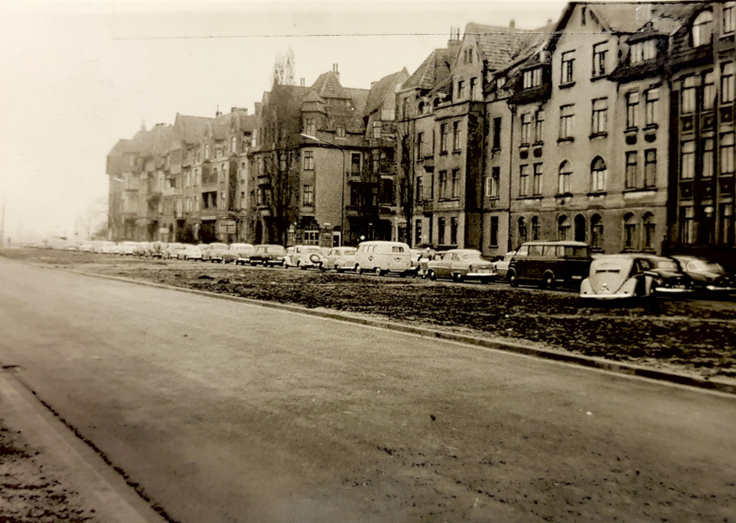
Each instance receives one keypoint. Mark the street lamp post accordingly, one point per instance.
(342, 194)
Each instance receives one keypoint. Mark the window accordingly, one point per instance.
(418, 232)
(441, 230)
(568, 67)
(563, 228)
(420, 145)
(598, 175)
(308, 160)
(643, 51)
(355, 164)
(492, 183)
(688, 95)
(631, 159)
(729, 18)
(526, 124)
(539, 127)
(376, 131)
(651, 96)
(727, 230)
(702, 29)
(207, 151)
(419, 190)
(496, 134)
(456, 126)
(386, 195)
(532, 78)
(563, 182)
(600, 116)
(443, 185)
(522, 230)
(687, 160)
(599, 59)
(687, 225)
(461, 90)
(308, 195)
(629, 231)
(707, 171)
(596, 232)
(727, 83)
(566, 114)
(473, 85)
(537, 181)
(456, 184)
(727, 154)
(650, 168)
(443, 138)
(535, 228)
(494, 231)
(632, 110)
(524, 180)
(709, 91)
(234, 144)
(649, 230)
(453, 231)
(310, 126)
(223, 200)
(340, 131)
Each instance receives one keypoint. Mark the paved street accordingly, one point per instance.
(224, 411)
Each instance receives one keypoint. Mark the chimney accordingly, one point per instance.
(512, 23)
(453, 45)
(302, 83)
(217, 112)
(336, 70)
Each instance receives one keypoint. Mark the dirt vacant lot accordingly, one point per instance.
(692, 336)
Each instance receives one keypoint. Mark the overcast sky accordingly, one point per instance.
(77, 76)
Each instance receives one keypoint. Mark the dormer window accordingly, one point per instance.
(532, 78)
(340, 131)
(310, 126)
(461, 90)
(702, 29)
(643, 51)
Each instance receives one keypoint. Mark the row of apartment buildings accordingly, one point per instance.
(613, 126)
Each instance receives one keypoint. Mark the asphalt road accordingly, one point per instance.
(225, 412)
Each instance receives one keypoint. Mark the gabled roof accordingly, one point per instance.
(384, 87)
(328, 85)
(190, 129)
(122, 146)
(499, 46)
(359, 98)
(435, 68)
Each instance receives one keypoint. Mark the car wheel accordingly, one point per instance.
(432, 275)
(511, 278)
(337, 269)
(379, 272)
(548, 281)
(358, 269)
(457, 277)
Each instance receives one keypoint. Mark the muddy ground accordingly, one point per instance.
(692, 336)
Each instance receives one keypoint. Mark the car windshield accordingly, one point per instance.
(471, 256)
(348, 253)
(274, 249)
(702, 265)
(311, 249)
(667, 265)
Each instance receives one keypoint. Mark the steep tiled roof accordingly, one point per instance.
(314, 103)
(499, 46)
(190, 129)
(248, 122)
(157, 141)
(359, 98)
(629, 17)
(328, 85)
(378, 92)
(123, 146)
(433, 70)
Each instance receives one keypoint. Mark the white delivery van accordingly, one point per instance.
(382, 257)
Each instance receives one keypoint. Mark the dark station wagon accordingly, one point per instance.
(549, 264)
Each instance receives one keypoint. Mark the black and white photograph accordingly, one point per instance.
(411, 261)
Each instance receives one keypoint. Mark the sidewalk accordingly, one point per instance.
(47, 474)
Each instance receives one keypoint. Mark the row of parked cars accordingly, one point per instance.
(546, 264)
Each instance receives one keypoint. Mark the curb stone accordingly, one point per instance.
(507, 346)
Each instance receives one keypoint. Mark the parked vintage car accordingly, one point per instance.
(190, 252)
(303, 256)
(238, 253)
(128, 248)
(502, 265)
(707, 277)
(339, 259)
(268, 255)
(383, 257)
(628, 276)
(212, 252)
(460, 265)
(549, 264)
(171, 250)
(156, 249)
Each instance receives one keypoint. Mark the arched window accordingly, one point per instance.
(629, 231)
(421, 107)
(702, 29)
(563, 228)
(649, 230)
(535, 228)
(436, 102)
(522, 230)
(580, 228)
(563, 185)
(596, 231)
(598, 175)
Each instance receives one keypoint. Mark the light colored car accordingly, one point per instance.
(382, 257)
(461, 265)
(304, 256)
(213, 252)
(502, 265)
(105, 247)
(190, 252)
(239, 253)
(128, 248)
(171, 250)
(340, 259)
